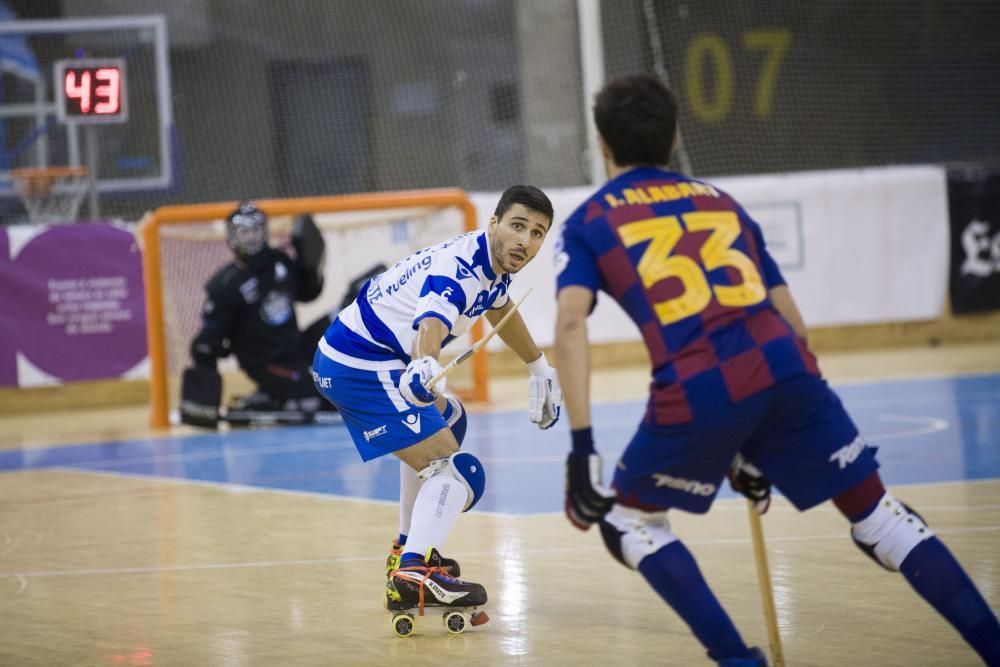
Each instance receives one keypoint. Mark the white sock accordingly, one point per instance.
(409, 485)
(439, 502)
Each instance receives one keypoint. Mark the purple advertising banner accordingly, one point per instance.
(71, 303)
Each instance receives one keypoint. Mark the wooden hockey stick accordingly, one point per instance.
(475, 347)
(766, 592)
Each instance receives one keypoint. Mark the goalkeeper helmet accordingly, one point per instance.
(246, 234)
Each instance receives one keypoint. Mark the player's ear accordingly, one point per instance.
(494, 220)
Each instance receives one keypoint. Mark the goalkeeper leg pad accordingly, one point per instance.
(463, 467)
(631, 535)
(890, 533)
(201, 391)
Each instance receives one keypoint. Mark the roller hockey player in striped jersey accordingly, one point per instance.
(374, 363)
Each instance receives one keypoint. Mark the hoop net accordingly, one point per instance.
(51, 195)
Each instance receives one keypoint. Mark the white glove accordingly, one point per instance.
(413, 381)
(544, 394)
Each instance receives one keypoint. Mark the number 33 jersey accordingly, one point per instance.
(690, 268)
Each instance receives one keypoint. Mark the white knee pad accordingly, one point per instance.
(463, 467)
(890, 532)
(632, 534)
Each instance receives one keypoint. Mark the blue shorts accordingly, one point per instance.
(377, 416)
(797, 432)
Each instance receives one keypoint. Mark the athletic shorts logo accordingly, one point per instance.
(412, 422)
(687, 485)
(375, 432)
(322, 382)
(849, 453)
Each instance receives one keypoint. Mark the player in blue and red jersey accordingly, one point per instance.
(734, 386)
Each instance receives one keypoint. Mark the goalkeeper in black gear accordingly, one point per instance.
(249, 312)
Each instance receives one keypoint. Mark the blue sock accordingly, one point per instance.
(402, 540)
(411, 555)
(935, 574)
(674, 575)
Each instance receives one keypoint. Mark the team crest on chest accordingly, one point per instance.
(485, 300)
(464, 270)
(276, 309)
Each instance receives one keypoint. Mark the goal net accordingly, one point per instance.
(185, 245)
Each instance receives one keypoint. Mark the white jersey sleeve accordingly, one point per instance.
(453, 281)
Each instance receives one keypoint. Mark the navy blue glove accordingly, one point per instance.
(587, 499)
(747, 479)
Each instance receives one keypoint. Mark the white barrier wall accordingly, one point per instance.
(856, 247)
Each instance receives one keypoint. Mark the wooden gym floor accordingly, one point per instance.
(123, 547)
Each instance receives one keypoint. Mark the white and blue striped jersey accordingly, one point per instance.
(452, 281)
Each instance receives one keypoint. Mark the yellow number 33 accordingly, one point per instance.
(657, 264)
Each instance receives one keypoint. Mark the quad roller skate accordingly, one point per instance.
(418, 584)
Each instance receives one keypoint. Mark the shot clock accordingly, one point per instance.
(90, 90)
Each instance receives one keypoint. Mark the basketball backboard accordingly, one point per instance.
(134, 156)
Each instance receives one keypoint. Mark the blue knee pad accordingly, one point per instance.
(467, 469)
(454, 415)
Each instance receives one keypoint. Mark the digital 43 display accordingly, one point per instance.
(91, 91)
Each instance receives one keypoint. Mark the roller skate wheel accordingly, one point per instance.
(478, 618)
(455, 622)
(402, 625)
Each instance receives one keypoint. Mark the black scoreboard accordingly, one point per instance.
(91, 91)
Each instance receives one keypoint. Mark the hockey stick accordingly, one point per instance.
(475, 347)
(766, 592)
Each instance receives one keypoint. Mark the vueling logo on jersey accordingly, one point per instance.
(421, 264)
(485, 299)
(849, 453)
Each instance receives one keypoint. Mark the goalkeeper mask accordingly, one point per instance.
(246, 234)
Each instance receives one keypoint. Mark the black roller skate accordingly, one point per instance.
(417, 584)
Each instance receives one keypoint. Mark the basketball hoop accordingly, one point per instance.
(50, 195)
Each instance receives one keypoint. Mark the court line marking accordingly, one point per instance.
(223, 451)
(930, 425)
(725, 504)
(235, 488)
(984, 394)
(154, 569)
(926, 425)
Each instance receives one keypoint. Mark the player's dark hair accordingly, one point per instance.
(637, 117)
(528, 196)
